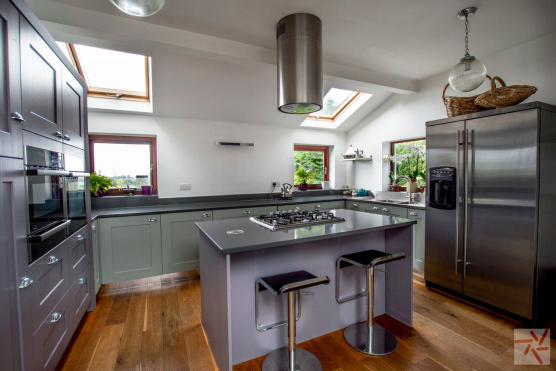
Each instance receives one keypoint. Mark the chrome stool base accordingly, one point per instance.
(381, 342)
(278, 360)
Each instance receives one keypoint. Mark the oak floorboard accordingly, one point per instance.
(154, 324)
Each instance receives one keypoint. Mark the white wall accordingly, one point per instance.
(404, 116)
(187, 154)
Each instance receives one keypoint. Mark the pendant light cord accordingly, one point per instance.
(467, 35)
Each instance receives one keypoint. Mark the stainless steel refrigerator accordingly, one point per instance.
(491, 209)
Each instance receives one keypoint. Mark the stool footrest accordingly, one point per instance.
(344, 299)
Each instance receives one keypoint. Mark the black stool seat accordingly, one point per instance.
(368, 258)
(292, 281)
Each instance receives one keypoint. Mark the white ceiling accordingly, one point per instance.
(215, 59)
(407, 38)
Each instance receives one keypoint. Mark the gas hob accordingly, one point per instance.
(291, 219)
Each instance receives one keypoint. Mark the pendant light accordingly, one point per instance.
(139, 8)
(469, 73)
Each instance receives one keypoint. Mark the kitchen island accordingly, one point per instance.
(235, 253)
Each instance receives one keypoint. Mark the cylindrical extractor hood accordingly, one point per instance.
(299, 38)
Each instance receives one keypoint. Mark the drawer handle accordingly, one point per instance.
(67, 137)
(375, 208)
(152, 220)
(94, 227)
(82, 281)
(17, 117)
(52, 260)
(317, 206)
(413, 213)
(296, 208)
(80, 237)
(385, 210)
(57, 134)
(56, 317)
(25, 282)
(354, 205)
(247, 212)
(205, 215)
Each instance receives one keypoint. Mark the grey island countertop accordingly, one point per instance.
(256, 237)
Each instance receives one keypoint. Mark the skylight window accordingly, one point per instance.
(109, 73)
(335, 102)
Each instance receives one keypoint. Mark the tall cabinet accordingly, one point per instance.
(44, 98)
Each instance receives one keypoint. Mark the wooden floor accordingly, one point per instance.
(154, 324)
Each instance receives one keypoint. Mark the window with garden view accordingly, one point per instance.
(310, 163)
(128, 161)
(408, 158)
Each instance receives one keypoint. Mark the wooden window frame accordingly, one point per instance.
(106, 93)
(326, 162)
(123, 139)
(331, 118)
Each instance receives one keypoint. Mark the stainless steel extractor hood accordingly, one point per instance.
(299, 38)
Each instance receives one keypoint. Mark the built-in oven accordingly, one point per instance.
(75, 188)
(46, 200)
(56, 203)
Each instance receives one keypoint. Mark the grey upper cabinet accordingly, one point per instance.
(130, 248)
(73, 96)
(41, 81)
(10, 96)
(242, 213)
(96, 255)
(180, 240)
(11, 194)
(418, 237)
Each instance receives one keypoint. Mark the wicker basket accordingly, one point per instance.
(456, 106)
(504, 96)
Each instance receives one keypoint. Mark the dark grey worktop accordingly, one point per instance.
(201, 206)
(256, 237)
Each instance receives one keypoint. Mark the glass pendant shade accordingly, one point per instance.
(467, 75)
(139, 8)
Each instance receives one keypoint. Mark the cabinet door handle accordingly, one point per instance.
(375, 208)
(152, 220)
(82, 281)
(205, 215)
(52, 260)
(56, 317)
(354, 205)
(17, 117)
(80, 237)
(413, 213)
(25, 282)
(385, 210)
(247, 212)
(57, 134)
(296, 208)
(317, 206)
(67, 137)
(94, 227)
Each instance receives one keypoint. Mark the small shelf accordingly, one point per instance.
(368, 159)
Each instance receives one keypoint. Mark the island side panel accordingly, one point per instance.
(321, 314)
(399, 275)
(215, 303)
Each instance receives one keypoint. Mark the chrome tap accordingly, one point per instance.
(410, 195)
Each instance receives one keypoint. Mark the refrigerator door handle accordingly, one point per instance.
(458, 167)
(468, 171)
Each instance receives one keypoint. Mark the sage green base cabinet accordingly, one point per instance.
(329, 205)
(130, 248)
(242, 213)
(400, 212)
(180, 240)
(418, 238)
(96, 256)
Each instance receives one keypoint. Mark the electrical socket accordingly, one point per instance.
(275, 183)
(185, 186)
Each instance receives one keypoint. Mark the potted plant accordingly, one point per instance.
(303, 175)
(393, 186)
(100, 184)
(411, 164)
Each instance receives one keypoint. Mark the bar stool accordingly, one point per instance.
(290, 358)
(367, 337)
